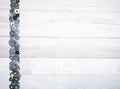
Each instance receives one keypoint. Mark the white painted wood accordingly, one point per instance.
(65, 82)
(65, 18)
(64, 66)
(71, 82)
(74, 66)
(64, 47)
(65, 28)
(64, 73)
(64, 24)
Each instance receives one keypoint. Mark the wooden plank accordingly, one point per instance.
(64, 66)
(65, 24)
(64, 47)
(61, 4)
(70, 82)
(60, 72)
(65, 19)
(65, 82)
(74, 66)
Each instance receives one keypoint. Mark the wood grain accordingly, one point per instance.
(65, 18)
(65, 28)
(35, 47)
(65, 44)
(64, 73)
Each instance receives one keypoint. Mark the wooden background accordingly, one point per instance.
(65, 44)
(65, 28)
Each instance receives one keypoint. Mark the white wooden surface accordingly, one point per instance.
(64, 47)
(65, 44)
(65, 28)
(63, 73)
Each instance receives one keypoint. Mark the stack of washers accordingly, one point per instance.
(14, 51)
